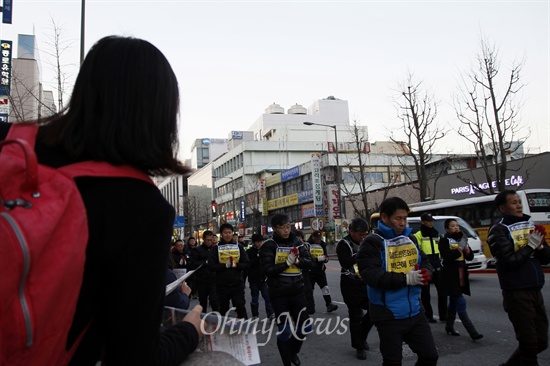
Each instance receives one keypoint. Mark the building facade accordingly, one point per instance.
(282, 165)
(205, 150)
(27, 100)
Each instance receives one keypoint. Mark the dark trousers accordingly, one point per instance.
(308, 292)
(527, 313)
(295, 308)
(441, 299)
(319, 277)
(355, 296)
(235, 294)
(415, 331)
(255, 289)
(207, 291)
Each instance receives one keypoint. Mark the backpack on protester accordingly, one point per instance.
(43, 238)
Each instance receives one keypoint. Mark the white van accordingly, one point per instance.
(479, 261)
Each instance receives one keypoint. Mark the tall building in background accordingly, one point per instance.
(28, 100)
(205, 150)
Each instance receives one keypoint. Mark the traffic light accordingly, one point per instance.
(214, 209)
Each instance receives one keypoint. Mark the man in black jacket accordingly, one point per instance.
(282, 259)
(428, 241)
(228, 260)
(257, 279)
(354, 290)
(317, 275)
(520, 249)
(204, 277)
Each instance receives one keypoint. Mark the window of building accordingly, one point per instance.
(292, 186)
(307, 183)
(275, 191)
(203, 153)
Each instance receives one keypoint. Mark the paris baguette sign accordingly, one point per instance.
(472, 188)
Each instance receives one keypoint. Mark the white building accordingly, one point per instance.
(28, 100)
(268, 166)
(205, 150)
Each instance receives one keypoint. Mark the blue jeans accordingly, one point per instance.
(255, 289)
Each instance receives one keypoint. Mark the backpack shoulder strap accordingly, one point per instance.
(24, 131)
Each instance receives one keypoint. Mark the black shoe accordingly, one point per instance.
(331, 307)
(295, 360)
(361, 354)
(451, 331)
(476, 336)
(432, 320)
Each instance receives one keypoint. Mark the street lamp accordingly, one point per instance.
(338, 180)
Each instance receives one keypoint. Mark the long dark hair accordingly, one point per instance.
(123, 109)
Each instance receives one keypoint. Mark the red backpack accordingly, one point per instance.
(43, 238)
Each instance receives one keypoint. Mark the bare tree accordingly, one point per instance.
(487, 109)
(364, 172)
(24, 97)
(58, 46)
(417, 110)
(356, 183)
(27, 97)
(253, 201)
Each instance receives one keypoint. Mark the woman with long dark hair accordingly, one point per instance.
(123, 110)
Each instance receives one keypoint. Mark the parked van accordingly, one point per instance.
(479, 261)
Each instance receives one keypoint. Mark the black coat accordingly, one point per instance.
(449, 284)
(255, 274)
(280, 285)
(199, 255)
(228, 277)
(521, 269)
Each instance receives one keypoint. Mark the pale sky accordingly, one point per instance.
(234, 58)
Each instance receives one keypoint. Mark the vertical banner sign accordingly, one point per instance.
(5, 81)
(335, 200)
(6, 12)
(326, 208)
(332, 210)
(263, 196)
(243, 212)
(316, 183)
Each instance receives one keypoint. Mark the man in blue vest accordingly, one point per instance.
(395, 269)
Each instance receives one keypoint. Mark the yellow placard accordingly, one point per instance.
(453, 244)
(228, 250)
(281, 257)
(401, 254)
(316, 250)
(520, 233)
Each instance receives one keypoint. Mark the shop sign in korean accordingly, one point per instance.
(316, 183)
